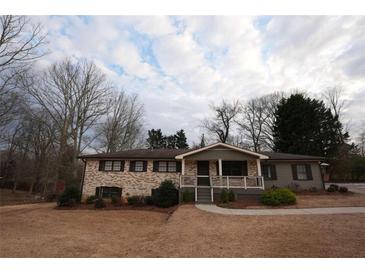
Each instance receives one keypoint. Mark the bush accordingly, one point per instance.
(331, 189)
(135, 200)
(334, 186)
(224, 197)
(280, 196)
(99, 203)
(69, 197)
(343, 189)
(231, 196)
(148, 200)
(166, 194)
(188, 196)
(116, 201)
(51, 197)
(90, 199)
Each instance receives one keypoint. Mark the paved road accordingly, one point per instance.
(280, 211)
(354, 187)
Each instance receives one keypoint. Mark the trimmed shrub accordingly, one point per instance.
(90, 199)
(224, 197)
(267, 198)
(135, 200)
(99, 203)
(331, 189)
(69, 197)
(231, 196)
(148, 200)
(279, 196)
(334, 186)
(343, 189)
(165, 195)
(188, 196)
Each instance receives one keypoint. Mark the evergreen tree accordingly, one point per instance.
(180, 139)
(305, 126)
(155, 139)
(170, 141)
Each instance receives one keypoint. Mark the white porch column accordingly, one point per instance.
(258, 167)
(183, 167)
(220, 167)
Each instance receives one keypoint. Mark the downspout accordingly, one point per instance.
(82, 178)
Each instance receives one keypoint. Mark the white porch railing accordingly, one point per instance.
(229, 182)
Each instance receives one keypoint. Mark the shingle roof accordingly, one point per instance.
(171, 153)
(141, 154)
(289, 156)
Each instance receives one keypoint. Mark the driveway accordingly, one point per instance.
(354, 187)
(42, 231)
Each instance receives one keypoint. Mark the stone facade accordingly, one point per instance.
(133, 183)
(141, 183)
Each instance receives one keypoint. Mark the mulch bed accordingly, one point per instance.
(168, 210)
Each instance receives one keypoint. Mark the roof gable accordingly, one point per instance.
(222, 146)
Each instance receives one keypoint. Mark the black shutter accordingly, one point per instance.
(309, 172)
(97, 191)
(144, 166)
(101, 165)
(273, 172)
(244, 169)
(294, 171)
(122, 163)
(132, 164)
(155, 166)
(217, 166)
(178, 166)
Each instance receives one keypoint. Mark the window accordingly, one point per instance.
(110, 165)
(166, 166)
(108, 192)
(171, 167)
(269, 172)
(301, 172)
(138, 166)
(162, 166)
(234, 168)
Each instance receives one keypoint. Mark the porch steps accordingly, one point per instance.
(204, 196)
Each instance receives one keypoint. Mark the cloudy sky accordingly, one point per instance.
(180, 65)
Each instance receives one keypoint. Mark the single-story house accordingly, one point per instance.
(204, 171)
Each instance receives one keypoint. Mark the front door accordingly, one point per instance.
(203, 170)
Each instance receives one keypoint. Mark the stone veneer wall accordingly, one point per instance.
(134, 183)
(141, 183)
(252, 168)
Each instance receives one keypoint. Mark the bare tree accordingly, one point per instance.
(20, 44)
(74, 95)
(221, 124)
(333, 97)
(251, 122)
(123, 124)
(256, 121)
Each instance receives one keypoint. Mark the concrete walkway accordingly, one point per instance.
(279, 211)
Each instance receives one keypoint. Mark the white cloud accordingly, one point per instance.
(178, 65)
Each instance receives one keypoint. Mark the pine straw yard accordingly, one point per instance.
(40, 231)
(307, 200)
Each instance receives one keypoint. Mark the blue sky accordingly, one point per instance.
(180, 65)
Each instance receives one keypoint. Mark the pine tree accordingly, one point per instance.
(180, 139)
(305, 126)
(155, 139)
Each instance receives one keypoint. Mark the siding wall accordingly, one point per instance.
(285, 176)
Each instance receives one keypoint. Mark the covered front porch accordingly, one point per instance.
(210, 170)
